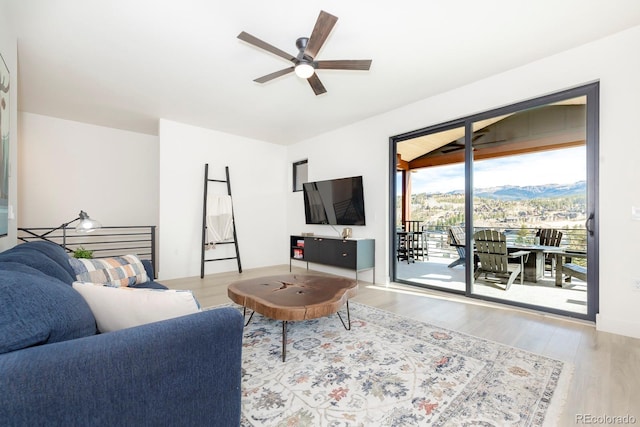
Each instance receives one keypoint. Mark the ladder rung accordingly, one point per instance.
(220, 259)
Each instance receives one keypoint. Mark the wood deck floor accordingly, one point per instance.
(434, 272)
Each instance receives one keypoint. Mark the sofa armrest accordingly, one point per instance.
(182, 371)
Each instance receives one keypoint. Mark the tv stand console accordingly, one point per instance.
(353, 254)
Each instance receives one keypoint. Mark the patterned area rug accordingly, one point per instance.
(389, 370)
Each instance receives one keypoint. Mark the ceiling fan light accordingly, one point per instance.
(304, 70)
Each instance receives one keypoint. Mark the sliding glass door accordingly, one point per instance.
(430, 200)
(530, 189)
(503, 205)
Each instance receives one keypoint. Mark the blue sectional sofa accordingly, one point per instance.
(55, 369)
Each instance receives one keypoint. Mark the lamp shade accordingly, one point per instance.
(86, 224)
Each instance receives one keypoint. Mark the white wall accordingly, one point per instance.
(8, 49)
(351, 151)
(363, 148)
(258, 180)
(68, 166)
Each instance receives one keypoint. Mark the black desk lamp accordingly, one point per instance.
(86, 225)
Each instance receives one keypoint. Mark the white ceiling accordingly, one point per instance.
(127, 63)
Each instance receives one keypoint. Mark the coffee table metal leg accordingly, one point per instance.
(348, 328)
(244, 314)
(284, 340)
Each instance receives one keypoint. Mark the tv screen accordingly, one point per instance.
(334, 202)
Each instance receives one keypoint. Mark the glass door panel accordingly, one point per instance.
(430, 203)
(530, 206)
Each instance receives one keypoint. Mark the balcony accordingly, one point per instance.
(432, 271)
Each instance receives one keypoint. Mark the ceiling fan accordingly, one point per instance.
(304, 63)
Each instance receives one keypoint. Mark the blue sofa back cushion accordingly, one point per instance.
(52, 250)
(35, 309)
(36, 259)
(19, 267)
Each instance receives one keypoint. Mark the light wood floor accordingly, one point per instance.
(606, 380)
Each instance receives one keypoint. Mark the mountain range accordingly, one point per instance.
(547, 191)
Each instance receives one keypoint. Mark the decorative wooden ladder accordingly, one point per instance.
(203, 259)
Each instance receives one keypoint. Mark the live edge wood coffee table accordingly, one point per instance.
(294, 297)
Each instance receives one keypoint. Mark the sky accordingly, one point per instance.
(547, 167)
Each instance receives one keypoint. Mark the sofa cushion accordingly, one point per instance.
(20, 267)
(119, 308)
(38, 260)
(125, 270)
(35, 309)
(53, 251)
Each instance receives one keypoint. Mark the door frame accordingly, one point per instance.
(592, 93)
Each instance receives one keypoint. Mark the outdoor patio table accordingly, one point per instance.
(534, 265)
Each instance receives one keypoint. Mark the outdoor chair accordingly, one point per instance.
(404, 251)
(417, 239)
(549, 237)
(491, 247)
(575, 270)
(456, 239)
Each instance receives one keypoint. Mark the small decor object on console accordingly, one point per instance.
(346, 232)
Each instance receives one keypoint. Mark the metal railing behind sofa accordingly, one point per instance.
(105, 242)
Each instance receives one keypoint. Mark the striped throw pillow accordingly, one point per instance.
(115, 272)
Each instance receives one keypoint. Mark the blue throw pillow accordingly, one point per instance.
(35, 309)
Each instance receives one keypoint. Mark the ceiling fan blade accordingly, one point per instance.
(274, 75)
(316, 84)
(347, 64)
(324, 25)
(244, 36)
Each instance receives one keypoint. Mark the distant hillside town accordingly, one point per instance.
(551, 205)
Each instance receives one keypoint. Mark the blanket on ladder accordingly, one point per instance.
(219, 220)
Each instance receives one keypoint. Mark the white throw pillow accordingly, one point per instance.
(119, 308)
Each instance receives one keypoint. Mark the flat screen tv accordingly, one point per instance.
(334, 202)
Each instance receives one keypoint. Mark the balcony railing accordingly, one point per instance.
(437, 239)
(105, 242)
